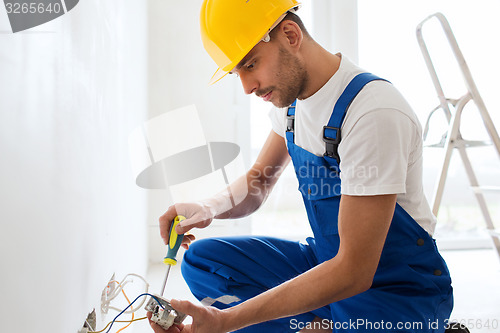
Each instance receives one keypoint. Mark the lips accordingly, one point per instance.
(267, 96)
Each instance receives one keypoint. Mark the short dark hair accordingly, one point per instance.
(295, 18)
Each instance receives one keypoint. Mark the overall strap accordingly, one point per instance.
(290, 122)
(331, 132)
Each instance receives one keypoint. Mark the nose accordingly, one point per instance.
(248, 82)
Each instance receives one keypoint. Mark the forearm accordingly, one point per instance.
(249, 192)
(324, 284)
(244, 196)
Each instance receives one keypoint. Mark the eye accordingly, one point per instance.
(251, 65)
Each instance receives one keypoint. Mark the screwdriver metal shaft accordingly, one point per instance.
(165, 281)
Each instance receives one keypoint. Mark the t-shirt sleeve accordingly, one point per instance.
(277, 116)
(374, 153)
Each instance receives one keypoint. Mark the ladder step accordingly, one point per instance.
(473, 143)
(460, 143)
(494, 232)
(434, 145)
(479, 189)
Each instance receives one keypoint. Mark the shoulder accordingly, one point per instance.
(382, 103)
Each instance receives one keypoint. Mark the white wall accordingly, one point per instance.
(335, 26)
(70, 93)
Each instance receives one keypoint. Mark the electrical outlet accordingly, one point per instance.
(163, 314)
(90, 323)
(105, 295)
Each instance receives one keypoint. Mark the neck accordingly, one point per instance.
(320, 66)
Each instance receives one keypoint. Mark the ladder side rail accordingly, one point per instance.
(432, 71)
(478, 193)
(451, 138)
(469, 81)
(473, 182)
(454, 140)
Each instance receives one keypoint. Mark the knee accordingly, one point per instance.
(201, 264)
(200, 258)
(199, 250)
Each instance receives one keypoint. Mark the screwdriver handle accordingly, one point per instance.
(174, 242)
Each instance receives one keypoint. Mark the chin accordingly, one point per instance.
(278, 103)
(281, 104)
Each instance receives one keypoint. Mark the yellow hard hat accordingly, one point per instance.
(231, 28)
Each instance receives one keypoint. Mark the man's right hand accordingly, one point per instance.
(197, 214)
(205, 319)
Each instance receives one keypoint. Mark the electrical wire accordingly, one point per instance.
(119, 321)
(120, 288)
(121, 284)
(130, 305)
(131, 308)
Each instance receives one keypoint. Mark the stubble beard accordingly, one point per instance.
(292, 78)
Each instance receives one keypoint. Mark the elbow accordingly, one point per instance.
(360, 269)
(360, 277)
(362, 284)
(357, 286)
(357, 283)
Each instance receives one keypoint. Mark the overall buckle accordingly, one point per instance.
(331, 144)
(290, 123)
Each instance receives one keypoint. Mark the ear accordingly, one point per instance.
(292, 33)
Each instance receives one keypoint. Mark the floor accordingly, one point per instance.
(476, 281)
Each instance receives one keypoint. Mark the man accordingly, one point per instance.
(357, 150)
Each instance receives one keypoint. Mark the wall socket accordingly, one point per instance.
(105, 295)
(90, 323)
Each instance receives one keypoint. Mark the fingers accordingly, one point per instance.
(165, 222)
(185, 307)
(197, 215)
(190, 223)
(205, 319)
(188, 239)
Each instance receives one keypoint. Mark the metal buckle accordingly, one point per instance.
(331, 144)
(290, 123)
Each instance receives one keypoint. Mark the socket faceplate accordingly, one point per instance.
(166, 316)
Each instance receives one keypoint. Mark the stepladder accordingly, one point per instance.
(452, 140)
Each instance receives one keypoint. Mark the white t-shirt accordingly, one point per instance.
(381, 141)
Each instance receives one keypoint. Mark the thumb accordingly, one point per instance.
(185, 226)
(185, 307)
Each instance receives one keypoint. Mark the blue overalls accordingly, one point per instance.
(411, 290)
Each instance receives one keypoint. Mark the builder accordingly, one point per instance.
(372, 265)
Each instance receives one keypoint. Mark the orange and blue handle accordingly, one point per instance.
(174, 242)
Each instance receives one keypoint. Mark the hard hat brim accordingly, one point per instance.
(219, 74)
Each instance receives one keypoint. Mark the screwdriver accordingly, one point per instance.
(174, 242)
